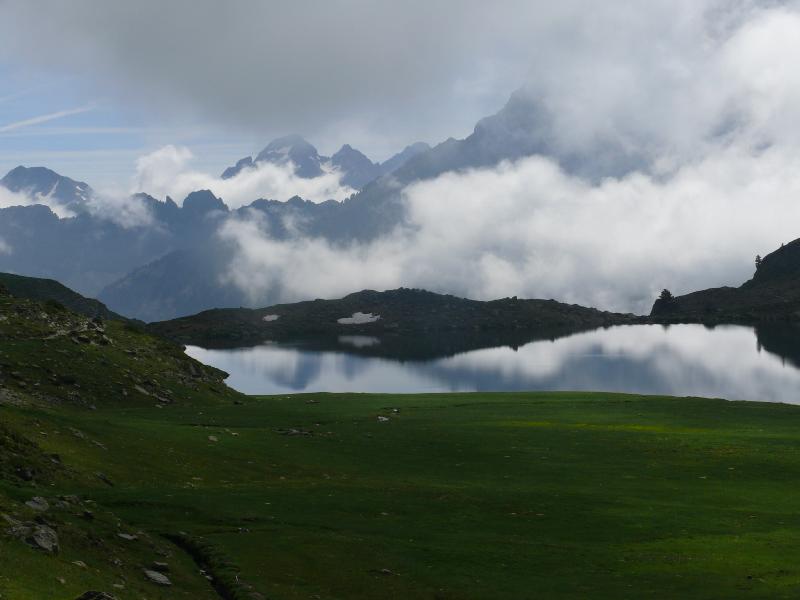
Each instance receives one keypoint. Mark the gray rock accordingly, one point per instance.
(96, 596)
(17, 529)
(127, 537)
(157, 578)
(38, 503)
(44, 538)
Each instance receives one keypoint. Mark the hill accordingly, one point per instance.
(396, 313)
(35, 288)
(128, 470)
(773, 294)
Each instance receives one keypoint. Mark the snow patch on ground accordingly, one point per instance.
(358, 318)
(270, 318)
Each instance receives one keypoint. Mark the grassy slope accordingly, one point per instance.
(460, 496)
(56, 368)
(456, 496)
(36, 288)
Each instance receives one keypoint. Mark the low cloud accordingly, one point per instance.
(530, 230)
(120, 208)
(9, 198)
(717, 118)
(167, 172)
(5, 248)
(111, 205)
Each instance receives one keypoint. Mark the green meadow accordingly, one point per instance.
(445, 496)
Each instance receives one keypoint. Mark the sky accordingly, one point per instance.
(160, 97)
(102, 83)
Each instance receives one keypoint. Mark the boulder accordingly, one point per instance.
(161, 567)
(44, 538)
(38, 503)
(157, 578)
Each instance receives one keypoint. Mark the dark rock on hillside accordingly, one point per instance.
(401, 312)
(773, 294)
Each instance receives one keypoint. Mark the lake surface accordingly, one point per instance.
(733, 362)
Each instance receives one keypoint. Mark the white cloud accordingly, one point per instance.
(392, 70)
(45, 118)
(5, 247)
(528, 229)
(9, 198)
(121, 208)
(303, 268)
(167, 172)
(720, 117)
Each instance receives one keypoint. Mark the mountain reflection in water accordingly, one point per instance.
(733, 362)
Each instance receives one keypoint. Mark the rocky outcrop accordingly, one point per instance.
(773, 294)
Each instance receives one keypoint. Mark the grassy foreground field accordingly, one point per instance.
(536, 495)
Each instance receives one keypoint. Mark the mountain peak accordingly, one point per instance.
(288, 142)
(357, 170)
(41, 181)
(295, 149)
(202, 202)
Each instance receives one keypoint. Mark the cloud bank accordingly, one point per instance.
(725, 144)
(380, 71)
(528, 229)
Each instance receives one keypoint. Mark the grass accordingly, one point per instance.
(456, 496)
(442, 496)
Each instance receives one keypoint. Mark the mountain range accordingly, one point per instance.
(356, 169)
(173, 264)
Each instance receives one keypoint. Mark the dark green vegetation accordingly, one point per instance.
(35, 288)
(773, 294)
(520, 495)
(404, 313)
